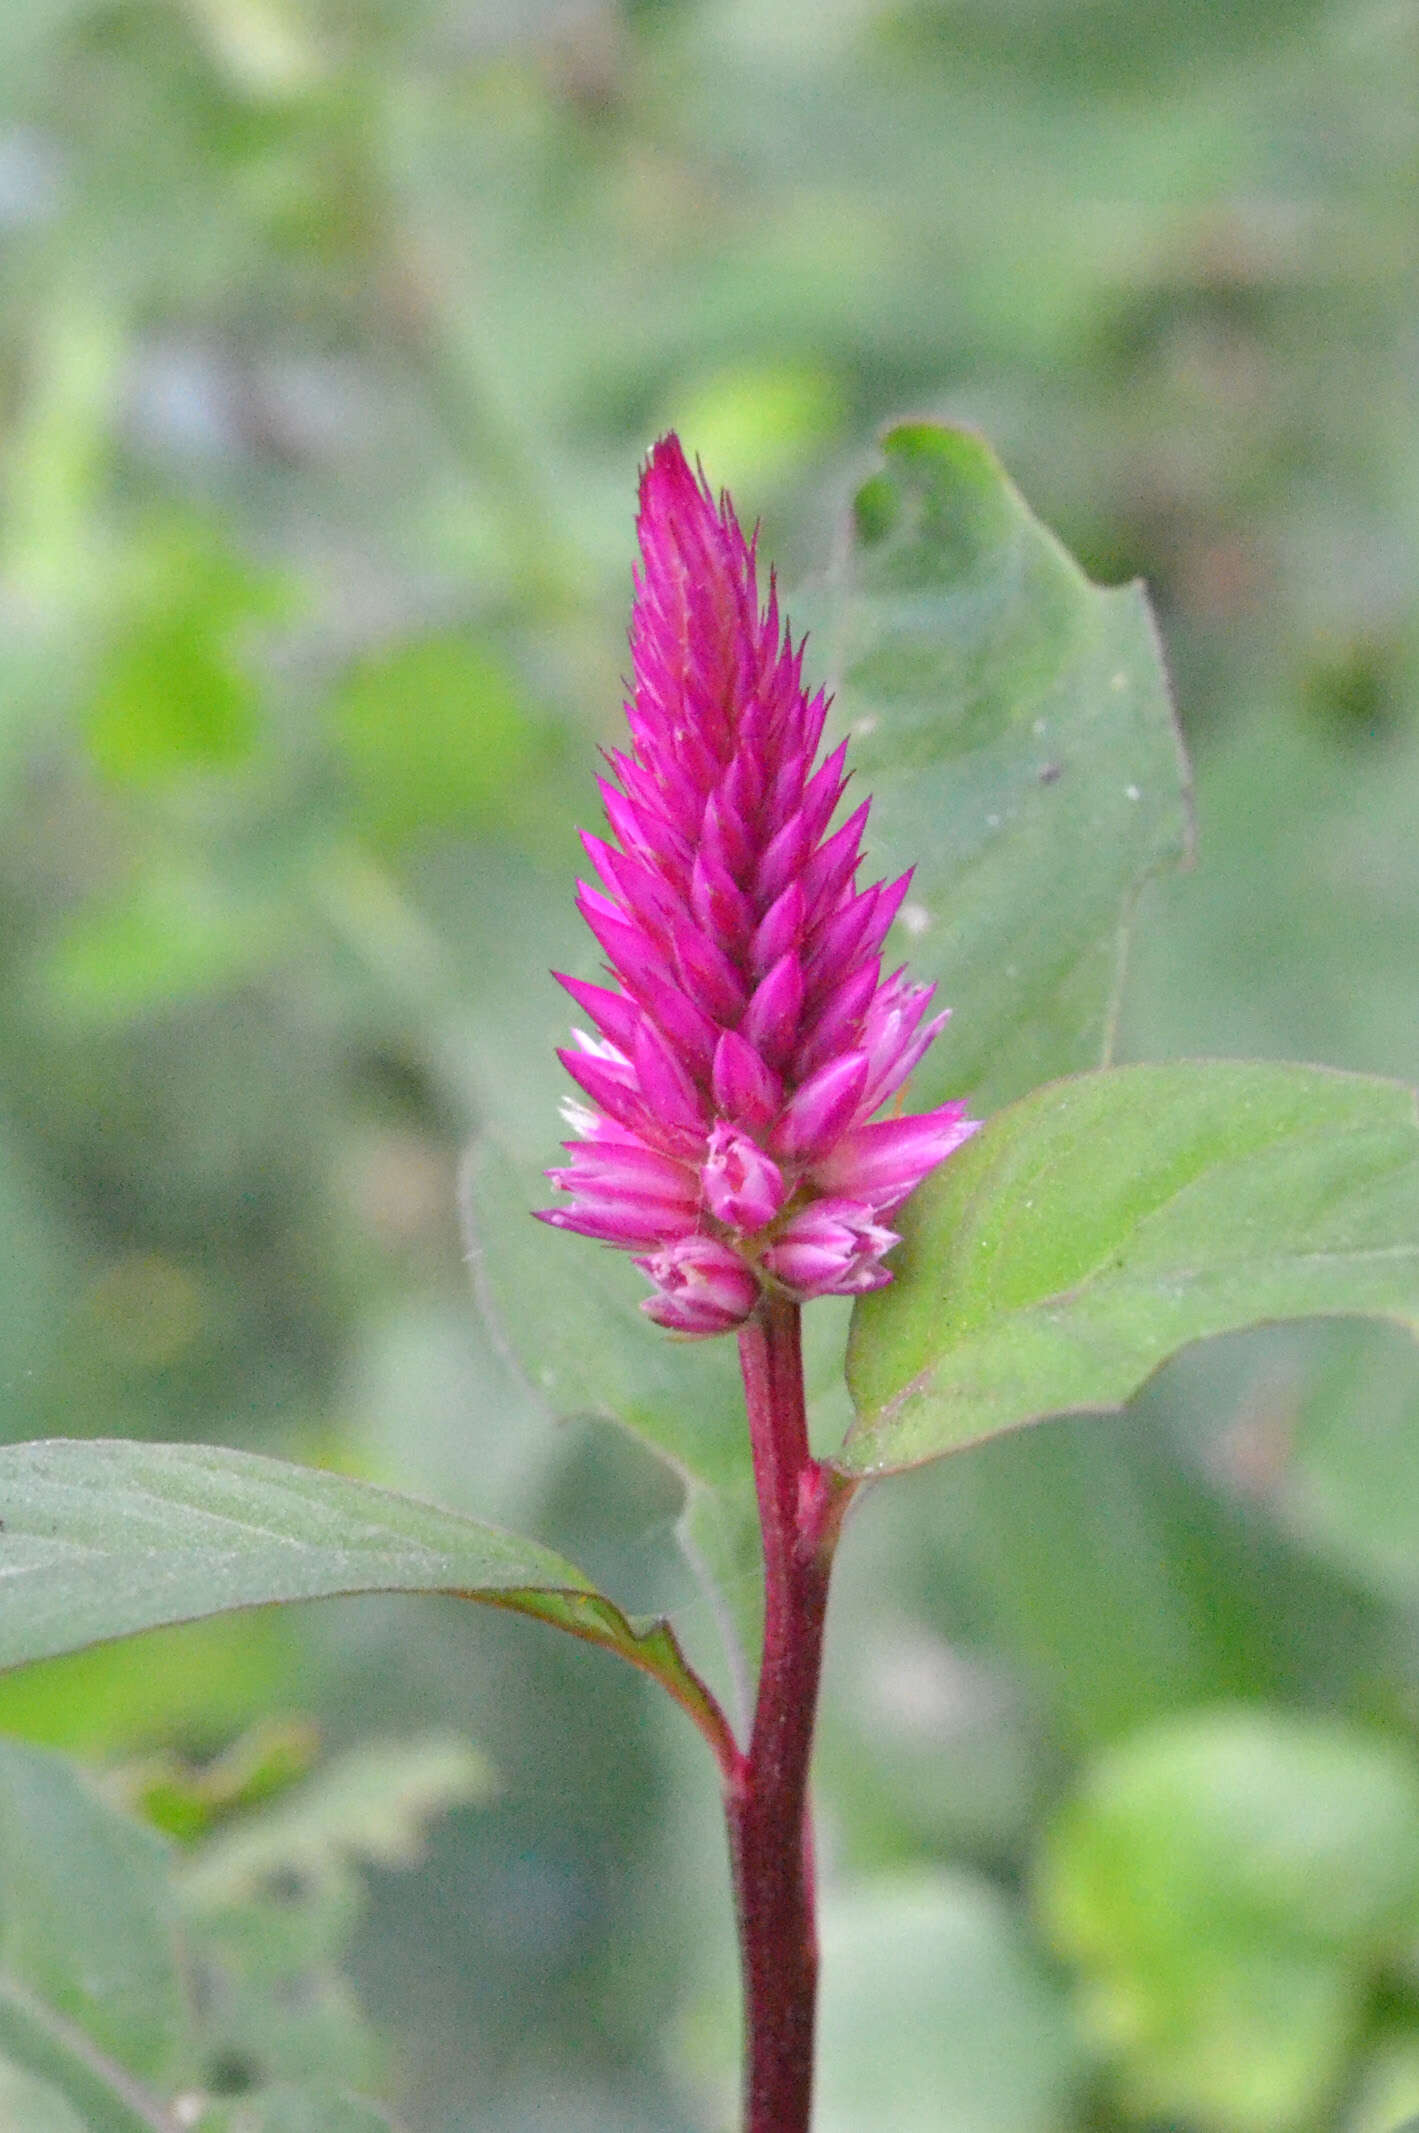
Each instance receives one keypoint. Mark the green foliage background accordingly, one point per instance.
(330, 334)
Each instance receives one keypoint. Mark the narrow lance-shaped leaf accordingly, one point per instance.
(1102, 1224)
(100, 1539)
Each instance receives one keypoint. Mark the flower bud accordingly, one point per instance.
(831, 1248)
(702, 1287)
(743, 1187)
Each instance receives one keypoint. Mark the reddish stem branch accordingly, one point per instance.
(770, 1831)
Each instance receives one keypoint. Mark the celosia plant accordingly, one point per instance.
(731, 1140)
(740, 1131)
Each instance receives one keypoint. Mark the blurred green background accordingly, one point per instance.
(331, 333)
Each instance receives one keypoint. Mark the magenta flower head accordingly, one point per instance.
(748, 1035)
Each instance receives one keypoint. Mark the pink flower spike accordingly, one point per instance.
(824, 790)
(745, 1034)
(881, 1164)
(631, 832)
(717, 900)
(632, 954)
(891, 895)
(702, 1287)
(612, 1088)
(832, 1248)
(744, 1188)
(708, 974)
(815, 713)
(788, 785)
(783, 857)
(629, 1170)
(838, 942)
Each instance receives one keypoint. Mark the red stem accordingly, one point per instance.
(770, 1830)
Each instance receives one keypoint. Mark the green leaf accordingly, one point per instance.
(90, 1993)
(1298, 936)
(105, 1538)
(1091, 47)
(304, 2109)
(1012, 723)
(31, 2106)
(187, 1799)
(58, 439)
(1228, 1884)
(275, 2002)
(936, 2012)
(1102, 1224)
(32, 1244)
